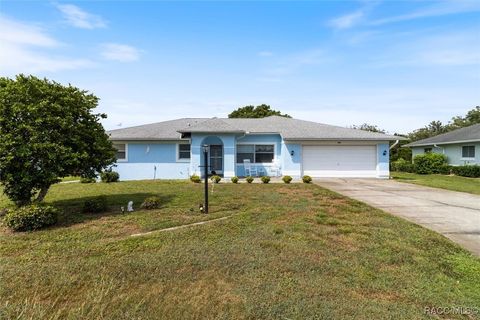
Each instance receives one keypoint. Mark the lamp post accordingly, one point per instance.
(205, 166)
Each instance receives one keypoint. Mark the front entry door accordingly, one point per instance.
(216, 159)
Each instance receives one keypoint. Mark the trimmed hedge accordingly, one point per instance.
(32, 217)
(215, 178)
(471, 171)
(195, 178)
(151, 203)
(306, 179)
(95, 205)
(109, 176)
(265, 179)
(429, 163)
(287, 179)
(402, 165)
(234, 179)
(249, 179)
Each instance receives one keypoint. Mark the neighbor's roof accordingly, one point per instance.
(467, 134)
(288, 128)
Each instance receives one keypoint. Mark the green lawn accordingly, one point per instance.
(455, 183)
(287, 252)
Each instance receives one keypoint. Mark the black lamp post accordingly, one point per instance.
(205, 162)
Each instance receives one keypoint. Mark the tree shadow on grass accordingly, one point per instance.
(403, 178)
(72, 208)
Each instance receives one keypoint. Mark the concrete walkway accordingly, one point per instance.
(456, 215)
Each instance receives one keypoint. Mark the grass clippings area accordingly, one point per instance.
(287, 252)
(454, 183)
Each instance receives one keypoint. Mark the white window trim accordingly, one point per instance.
(274, 160)
(469, 158)
(177, 153)
(126, 150)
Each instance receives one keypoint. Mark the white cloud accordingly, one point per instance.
(348, 20)
(26, 48)
(79, 18)
(447, 7)
(120, 52)
(24, 34)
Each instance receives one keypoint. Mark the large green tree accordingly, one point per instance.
(47, 131)
(368, 127)
(260, 111)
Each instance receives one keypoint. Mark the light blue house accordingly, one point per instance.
(274, 146)
(461, 146)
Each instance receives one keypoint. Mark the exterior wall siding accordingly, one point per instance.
(149, 160)
(453, 153)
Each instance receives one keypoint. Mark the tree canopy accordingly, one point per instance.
(48, 131)
(260, 111)
(437, 127)
(368, 127)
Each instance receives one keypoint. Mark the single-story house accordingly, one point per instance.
(274, 146)
(461, 146)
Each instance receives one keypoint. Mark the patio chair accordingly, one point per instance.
(274, 170)
(250, 170)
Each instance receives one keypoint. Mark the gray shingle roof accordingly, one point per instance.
(166, 130)
(290, 129)
(467, 134)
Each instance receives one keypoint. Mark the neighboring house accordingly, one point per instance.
(461, 146)
(274, 145)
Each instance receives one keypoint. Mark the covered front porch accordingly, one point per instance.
(236, 155)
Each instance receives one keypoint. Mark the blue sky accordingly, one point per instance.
(398, 65)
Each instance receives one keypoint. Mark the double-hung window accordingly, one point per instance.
(183, 151)
(256, 153)
(121, 151)
(468, 152)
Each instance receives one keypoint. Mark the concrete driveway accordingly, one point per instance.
(456, 215)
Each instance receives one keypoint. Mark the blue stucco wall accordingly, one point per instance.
(291, 165)
(453, 153)
(228, 142)
(383, 160)
(147, 160)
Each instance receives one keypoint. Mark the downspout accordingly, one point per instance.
(436, 146)
(393, 145)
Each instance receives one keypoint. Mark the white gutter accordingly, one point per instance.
(393, 145)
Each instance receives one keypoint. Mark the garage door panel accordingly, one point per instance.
(340, 161)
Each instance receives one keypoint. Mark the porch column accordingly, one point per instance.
(228, 156)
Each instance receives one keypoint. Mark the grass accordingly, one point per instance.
(70, 178)
(454, 183)
(287, 252)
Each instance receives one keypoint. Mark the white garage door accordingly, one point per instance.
(340, 161)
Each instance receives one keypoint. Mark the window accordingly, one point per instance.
(259, 153)
(468, 152)
(427, 150)
(183, 151)
(121, 151)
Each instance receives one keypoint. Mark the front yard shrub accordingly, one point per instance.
(306, 179)
(445, 169)
(95, 205)
(265, 179)
(287, 179)
(215, 178)
(234, 179)
(151, 203)
(87, 180)
(429, 163)
(109, 176)
(471, 171)
(32, 217)
(402, 165)
(195, 178)
(249, 179)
